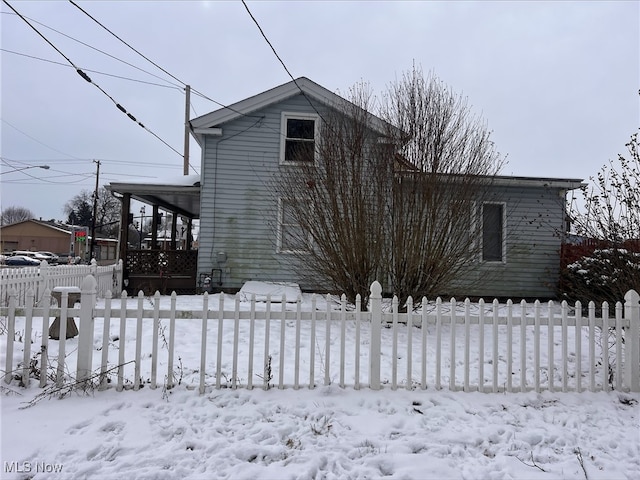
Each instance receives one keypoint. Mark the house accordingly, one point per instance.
(241, 224)
(38, 235)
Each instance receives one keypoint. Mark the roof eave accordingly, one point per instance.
(562, 183)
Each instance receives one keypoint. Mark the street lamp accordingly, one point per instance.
(45, 167)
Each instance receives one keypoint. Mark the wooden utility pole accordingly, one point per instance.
(95, 211)
(186, 129)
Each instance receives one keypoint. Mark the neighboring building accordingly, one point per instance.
(241, 224)
(37, 235)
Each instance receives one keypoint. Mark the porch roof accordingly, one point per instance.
(180, 194)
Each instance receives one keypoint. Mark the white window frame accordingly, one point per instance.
(504, 233)
(283, 133)
(280, 233)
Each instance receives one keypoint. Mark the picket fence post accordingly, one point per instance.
(632, 340)
(11, 334)
(45, 279)
(117, 273)
(86, 327)
(375, 306)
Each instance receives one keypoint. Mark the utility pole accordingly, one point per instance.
(186, 130)
(95, 211)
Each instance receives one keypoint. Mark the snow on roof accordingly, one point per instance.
(175, 180)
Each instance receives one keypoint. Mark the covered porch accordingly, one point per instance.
(168, 261)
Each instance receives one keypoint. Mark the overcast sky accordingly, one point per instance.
(556, 82)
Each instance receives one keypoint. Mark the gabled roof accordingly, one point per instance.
(210, 123)
(58, 227)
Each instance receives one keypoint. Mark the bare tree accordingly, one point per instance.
(79, 211)
(611, 210)
(107, 213)
(332, 199)
(436, 206)
(15, 214)
(388, 197)
(606, 262)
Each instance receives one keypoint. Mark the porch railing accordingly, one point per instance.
(161, 270)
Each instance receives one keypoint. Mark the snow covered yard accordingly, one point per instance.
(324, 433)
(327, 432)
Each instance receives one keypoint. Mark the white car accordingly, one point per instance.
(51, 258)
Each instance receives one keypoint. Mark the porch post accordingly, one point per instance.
(174, 228)
(154, 228)
(189, 238)
(124, 225)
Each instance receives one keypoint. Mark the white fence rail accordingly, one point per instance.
(484, 347)
(45, 276)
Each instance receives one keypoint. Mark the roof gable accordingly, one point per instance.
(210, 123)
(62, 228)
(33, 226)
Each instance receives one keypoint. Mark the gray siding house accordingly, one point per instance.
(242, 233)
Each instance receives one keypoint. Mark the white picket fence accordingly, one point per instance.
(516, 347)
(45, 276)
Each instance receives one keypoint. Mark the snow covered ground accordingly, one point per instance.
(327, 432)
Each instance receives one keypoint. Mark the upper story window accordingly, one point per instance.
(298, 140)
(493, 232)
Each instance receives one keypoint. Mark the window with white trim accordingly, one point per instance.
(493, 232)
(291, 236)
(298, 139)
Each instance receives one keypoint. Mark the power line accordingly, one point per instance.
(106, 161)
(41, 180)
(147, 59)
(10, 162)
(86, 77)
(193, 90)
(73, 159)
(36, 140)
(280, 59)
(101, 51)
(92, 71)
(267, 40)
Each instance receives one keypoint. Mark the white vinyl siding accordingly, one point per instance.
(239, 216)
